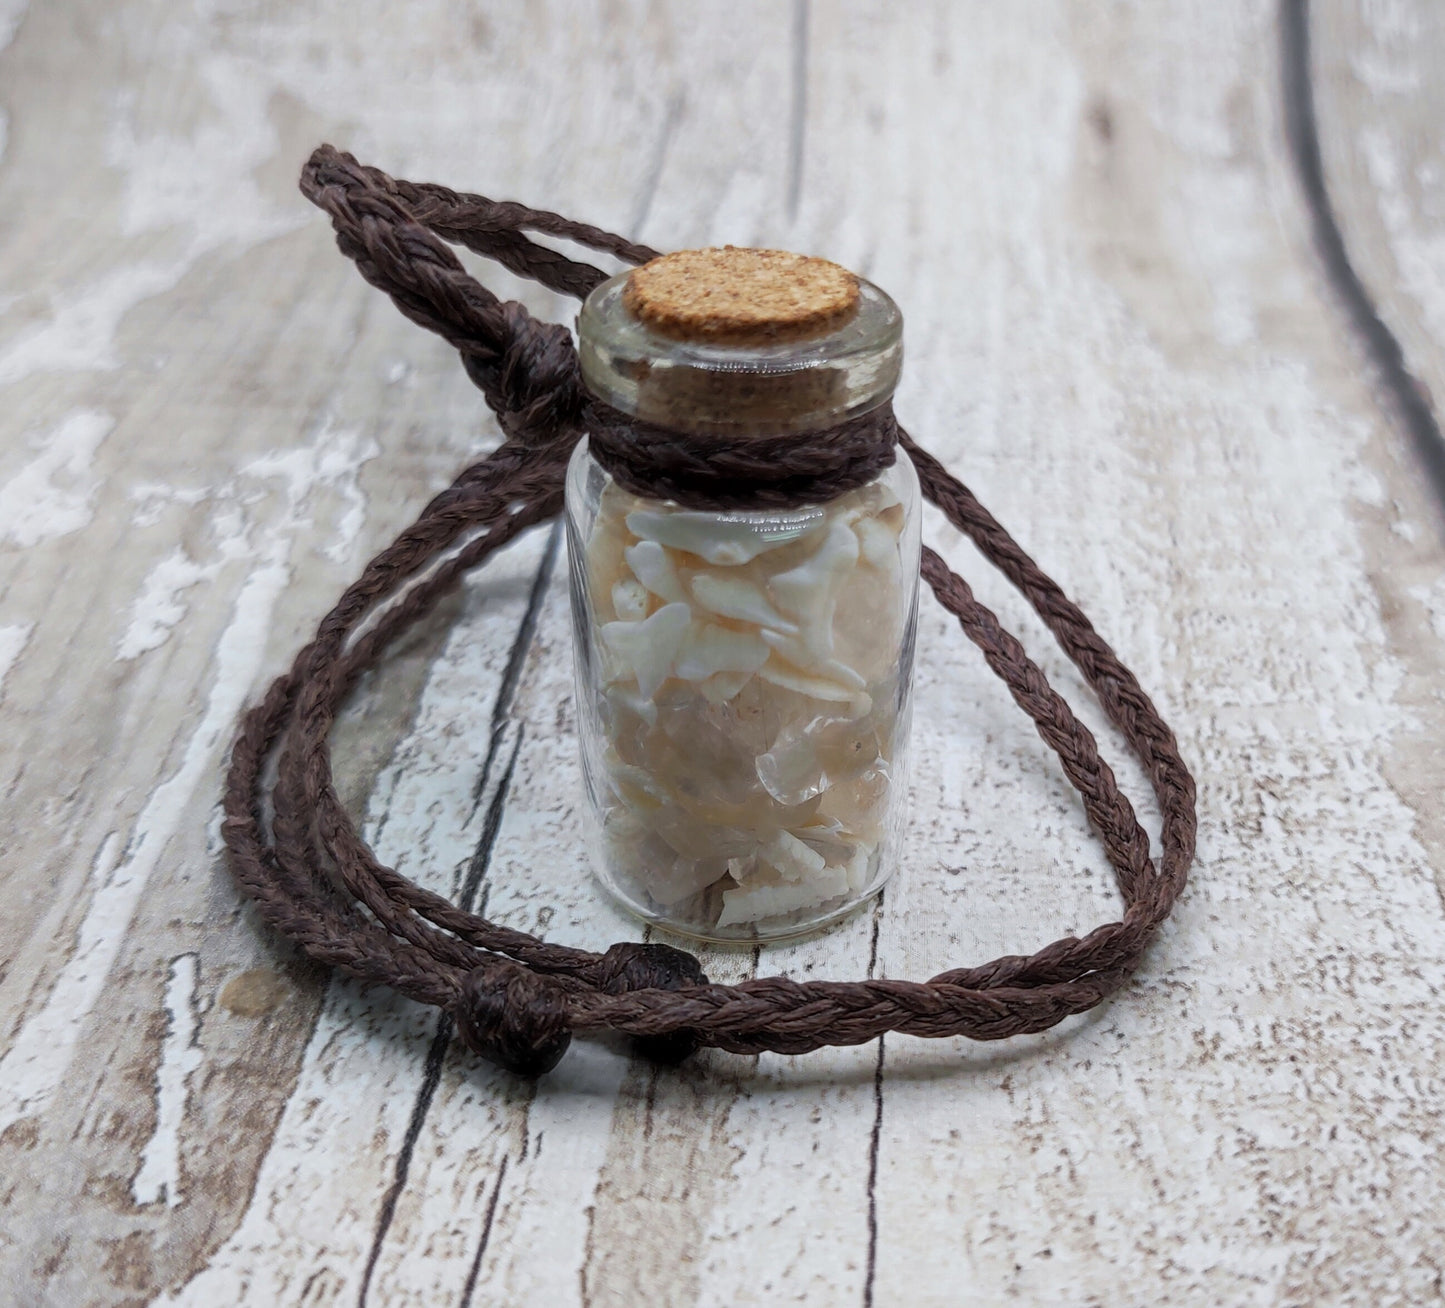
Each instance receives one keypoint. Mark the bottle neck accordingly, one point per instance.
(708, 388)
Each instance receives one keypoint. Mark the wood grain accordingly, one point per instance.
(1119, 334)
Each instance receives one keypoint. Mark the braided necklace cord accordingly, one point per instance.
(516, 999)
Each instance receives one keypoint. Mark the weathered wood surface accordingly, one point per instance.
(1118, 333)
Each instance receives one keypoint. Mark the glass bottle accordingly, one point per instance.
(744, 677)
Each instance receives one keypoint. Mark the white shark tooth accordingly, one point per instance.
(652, 566)
(877, 543)
(797, 590)
(801, 656)
(828, 839)
(735, 597)
(857, 868)
(604, 555)
(821, 830)
(791, 773)
(708, 649)
(629, 600)
(742, 869)
(839, 671)
(649, 647)
(789, 857)
(760, 899)
(725, 540)
(780, 674)
(809, 592)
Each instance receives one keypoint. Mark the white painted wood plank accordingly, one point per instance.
(315, 1207)
(1378, 101)
(251, 77)
(1117, 333)
(1202, 1133)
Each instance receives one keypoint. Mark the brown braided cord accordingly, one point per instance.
(749, 471)
(516, 999)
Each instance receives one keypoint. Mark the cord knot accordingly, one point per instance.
(513, 1017)
(533, 382)
(629, 966)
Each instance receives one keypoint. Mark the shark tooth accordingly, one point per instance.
(859, 805)
(736, 597)
(790, 858)
(708, 649)
(780, 674)
(827, 837)
(760, 898)
(809, 592)
(629, 600)
(605, 546)
(648, 648)
(683, 878)
(810, 756)
(800, 656)
(626, 698)
(652, 566)
(877, 543)
(858, 867)
(636, 787)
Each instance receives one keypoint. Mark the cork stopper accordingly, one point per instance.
(735, 296)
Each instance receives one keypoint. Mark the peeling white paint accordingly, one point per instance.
(159, 607)
(11, 12)
(13, 639)
(43, 1048)
(1418, 250)
(159, 1176)
(332, 461)
(151, 498)
(171, 181)
(1432, 596)
(79, 333)
(1387, 64)
(363, 1056)
(54, 493)
(36, 1060)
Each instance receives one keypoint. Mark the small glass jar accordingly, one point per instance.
(744, 677)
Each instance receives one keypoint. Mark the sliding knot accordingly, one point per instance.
(532, 381)
(628, 966)
(513, 1017)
